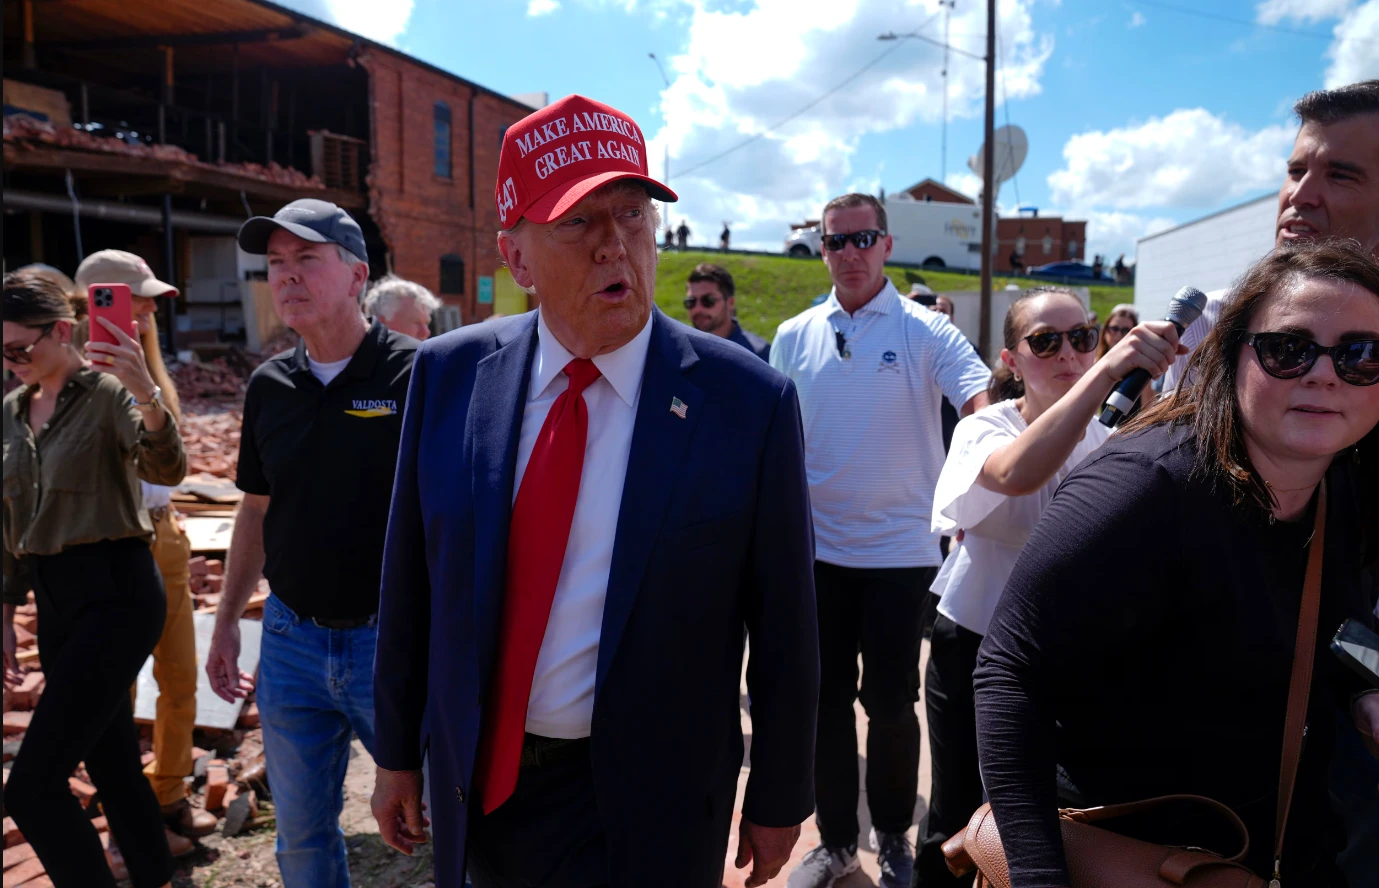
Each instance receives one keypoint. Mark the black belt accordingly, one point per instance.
(539, 752)
(353, 623)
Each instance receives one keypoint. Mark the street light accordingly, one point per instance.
(665, 207)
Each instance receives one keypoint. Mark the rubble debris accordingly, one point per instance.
(217, 782)
(23, 131)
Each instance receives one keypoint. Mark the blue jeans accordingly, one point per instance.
(315, 689)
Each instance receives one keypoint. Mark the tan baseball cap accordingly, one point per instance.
(119, 267)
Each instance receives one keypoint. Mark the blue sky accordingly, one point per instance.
(1139, 115)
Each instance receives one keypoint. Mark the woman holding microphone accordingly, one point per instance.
(1004, 465)
(1105, 678)
(78, 437)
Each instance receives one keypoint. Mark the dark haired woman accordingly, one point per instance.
(77, 439)
(1005, 463)
(1099, 684)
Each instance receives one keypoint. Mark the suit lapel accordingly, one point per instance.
(660, 440)
(501, 381)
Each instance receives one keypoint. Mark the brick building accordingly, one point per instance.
(158, 126)
(938, 192)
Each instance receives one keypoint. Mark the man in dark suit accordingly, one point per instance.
(592, 504)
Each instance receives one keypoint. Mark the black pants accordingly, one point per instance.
(547, 833)
(100, 612)
(876, 612)
(956, 789)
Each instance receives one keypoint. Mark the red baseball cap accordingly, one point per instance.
(553, 159)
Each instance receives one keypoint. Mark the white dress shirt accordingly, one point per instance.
(562, 693)
(873, 429)
(995, 526)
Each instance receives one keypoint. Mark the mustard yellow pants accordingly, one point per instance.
(174, 667)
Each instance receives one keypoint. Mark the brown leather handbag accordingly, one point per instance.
(1100, 858)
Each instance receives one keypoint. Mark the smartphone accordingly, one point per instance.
(1357, 647)
(928, 299)
(114, 302)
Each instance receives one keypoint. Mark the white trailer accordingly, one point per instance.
(1208, 253)
(935, 234)
(928, 233)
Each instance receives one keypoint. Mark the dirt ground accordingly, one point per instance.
(246, 860)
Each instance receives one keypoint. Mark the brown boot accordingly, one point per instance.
(185, 820)
(180, 846)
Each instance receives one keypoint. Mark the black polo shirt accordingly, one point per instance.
(750, 341)
(325, 455)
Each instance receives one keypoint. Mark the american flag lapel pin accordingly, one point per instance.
(678, 407)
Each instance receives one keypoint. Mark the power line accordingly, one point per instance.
(1187, 10)
(783, 121)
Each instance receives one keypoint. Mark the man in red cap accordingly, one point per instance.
(593, 504)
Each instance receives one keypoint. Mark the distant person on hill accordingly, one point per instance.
(1097, 265)
(713, 309)
(682, 234)
(670, 238)
(1017, 263)
(725, 237)
(1121, 272)
(871, 368)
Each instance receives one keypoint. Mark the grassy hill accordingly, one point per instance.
(773, 288)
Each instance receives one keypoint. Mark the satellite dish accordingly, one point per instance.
(1012, 146)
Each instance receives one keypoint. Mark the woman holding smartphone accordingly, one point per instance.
(78, 437)
(1105, 678)
(1003, 467)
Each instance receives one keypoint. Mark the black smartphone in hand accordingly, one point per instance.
(1357, 647)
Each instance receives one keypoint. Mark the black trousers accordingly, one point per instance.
(956, 788)
(877, 613)
(100, 612)
(547, 834)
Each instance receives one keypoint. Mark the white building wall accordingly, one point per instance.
(1209, 253)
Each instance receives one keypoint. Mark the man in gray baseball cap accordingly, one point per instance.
(320, 438)
(318, 221)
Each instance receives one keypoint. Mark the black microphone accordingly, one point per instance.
(1185, 308)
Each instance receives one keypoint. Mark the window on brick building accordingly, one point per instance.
(452, 274)
(442, 134)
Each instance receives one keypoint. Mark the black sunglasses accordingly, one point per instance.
(862, 240)
(1116, 329)
(1288, 356)
(708, 300)
(1048, 343)
(24, 354)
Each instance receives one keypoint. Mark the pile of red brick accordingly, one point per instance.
(23, 131)
(211, 439)
(213, 379)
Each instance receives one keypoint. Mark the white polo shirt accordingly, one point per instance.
(873, 432)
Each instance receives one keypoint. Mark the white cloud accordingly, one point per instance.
(1271, 12)
(727, 89)
(968, 183)
(1354, 53)
(1190, 158)
(1136, 19)
(542, 7)
(383, 22)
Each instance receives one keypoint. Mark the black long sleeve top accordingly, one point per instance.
(1110, 677)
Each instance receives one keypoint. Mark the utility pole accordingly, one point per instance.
(948, 6)
(988, 180)
(665, 207)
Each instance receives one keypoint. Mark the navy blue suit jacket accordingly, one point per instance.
(714, 535)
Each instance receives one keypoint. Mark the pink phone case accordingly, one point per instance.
(112, 301)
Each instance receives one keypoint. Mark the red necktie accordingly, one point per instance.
(540, 529)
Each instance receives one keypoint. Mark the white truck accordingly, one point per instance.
(927, 233)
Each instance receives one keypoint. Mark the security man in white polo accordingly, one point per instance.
(872, 369)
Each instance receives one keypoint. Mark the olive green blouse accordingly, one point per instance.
(77, 480)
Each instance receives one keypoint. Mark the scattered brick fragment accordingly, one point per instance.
(217, 782)
(16, 722)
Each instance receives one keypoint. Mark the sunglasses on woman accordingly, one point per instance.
(1119, 331)
(24, 354)
(862, 240)
(1048, 343)
(708, 300)
(1288, 356)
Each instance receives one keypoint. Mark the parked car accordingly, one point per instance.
(1068, 271)
(804, 242)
